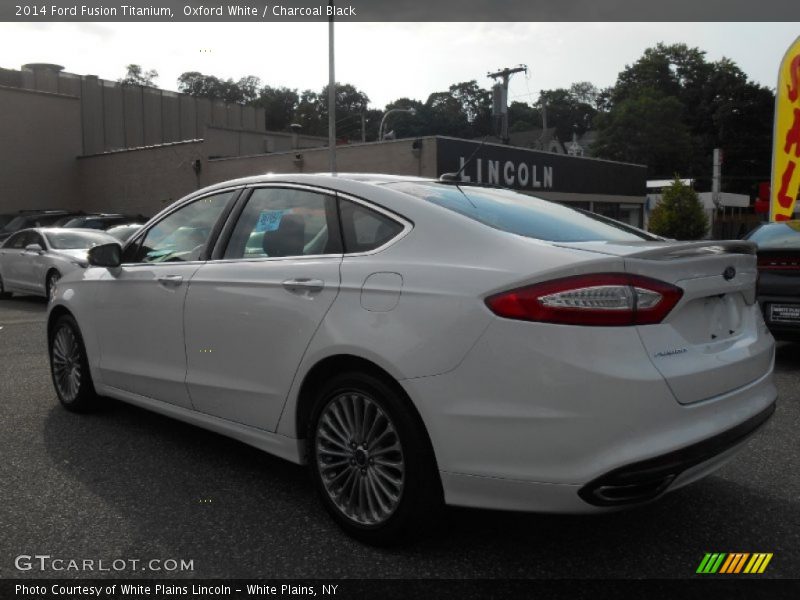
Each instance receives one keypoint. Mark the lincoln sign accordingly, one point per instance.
(534, 170)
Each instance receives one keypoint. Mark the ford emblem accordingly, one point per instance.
(729, 273)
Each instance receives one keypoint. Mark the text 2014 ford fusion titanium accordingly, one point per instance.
(422, 342)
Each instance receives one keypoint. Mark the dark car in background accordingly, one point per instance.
(101, 221)
(124, 232)
(779, 276)
(32, 218)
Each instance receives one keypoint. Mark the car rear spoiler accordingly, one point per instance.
(675, 250)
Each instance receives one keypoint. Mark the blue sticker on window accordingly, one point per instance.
(268, 220)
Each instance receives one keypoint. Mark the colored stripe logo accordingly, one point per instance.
(734, 562)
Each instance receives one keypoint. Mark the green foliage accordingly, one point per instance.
(647, 128)
(134, 75)
(720, 107)
(567, 110)
(244, 91)
(680, 214)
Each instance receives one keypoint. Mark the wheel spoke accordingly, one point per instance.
(359, 457)
(67, 357)
(337, 443)
(328, 421)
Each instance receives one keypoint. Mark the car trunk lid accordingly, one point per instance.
(714, 340)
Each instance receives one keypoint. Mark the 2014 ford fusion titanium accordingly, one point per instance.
(421, 342)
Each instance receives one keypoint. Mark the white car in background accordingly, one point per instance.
(33, 260)
(420, 342)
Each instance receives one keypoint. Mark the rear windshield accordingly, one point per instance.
(777, 236)
(71, 240)
(522, 215)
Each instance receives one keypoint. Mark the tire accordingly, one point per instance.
(52, 278)
(69, 367)
(3, 293)
(378, 480)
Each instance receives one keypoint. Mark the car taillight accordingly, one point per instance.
(779, 263)
(601, 299)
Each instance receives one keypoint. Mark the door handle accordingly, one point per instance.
(170, 279)
(304, 285)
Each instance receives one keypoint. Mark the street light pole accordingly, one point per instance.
(331, 95)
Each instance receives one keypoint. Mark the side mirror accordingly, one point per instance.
(34, 248)
(107, 255)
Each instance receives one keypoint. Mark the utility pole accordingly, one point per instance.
(716, 177)
(500, 96)
(331, 96)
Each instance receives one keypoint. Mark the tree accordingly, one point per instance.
(135, 76)
(585, 92)
(522, 117)
(721, 108)
(244, 91)
(567, 111)
(647, 129)
(279, 105)
(679, 214)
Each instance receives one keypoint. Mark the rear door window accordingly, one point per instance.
(284, 222)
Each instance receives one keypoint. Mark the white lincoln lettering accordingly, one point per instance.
(508, 173)
(522, 174)
(519, 175)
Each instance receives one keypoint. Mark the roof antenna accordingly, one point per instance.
(454, 177)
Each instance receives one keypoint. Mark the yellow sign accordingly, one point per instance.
(786, 138)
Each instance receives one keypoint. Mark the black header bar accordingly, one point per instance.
(398, 10)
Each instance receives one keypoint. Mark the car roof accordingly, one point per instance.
(789, 222)
(65, 230)
(322, 179)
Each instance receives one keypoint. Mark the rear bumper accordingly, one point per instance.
(527, 422)
(648, 479)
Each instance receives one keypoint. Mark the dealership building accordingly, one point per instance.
(81, 142)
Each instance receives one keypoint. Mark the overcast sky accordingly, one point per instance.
(387, 60)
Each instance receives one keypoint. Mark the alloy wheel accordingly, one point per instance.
(67, 363)
(360, 458)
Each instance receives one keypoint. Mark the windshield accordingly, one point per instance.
(777, 236)
(123, 232)
(523, 215)
(71, 240)
(15, 224)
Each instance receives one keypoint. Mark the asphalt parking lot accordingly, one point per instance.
(126, 483)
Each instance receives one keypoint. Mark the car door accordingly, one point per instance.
(12, 257)
(32, 265)
(251, 314)
(139, 305)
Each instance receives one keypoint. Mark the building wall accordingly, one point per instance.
(224, 142)
(395, 157)
(139, 181)
(117, 117)
(147, 180)
(40, 140)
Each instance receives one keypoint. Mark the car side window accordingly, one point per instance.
(364, 229)
(17, 241)
(35, 238)
(182, 235)
(280, 222)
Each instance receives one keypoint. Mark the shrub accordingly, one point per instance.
(680, 214)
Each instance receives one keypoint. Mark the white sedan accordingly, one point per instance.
(421, 342)
(33, 260)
